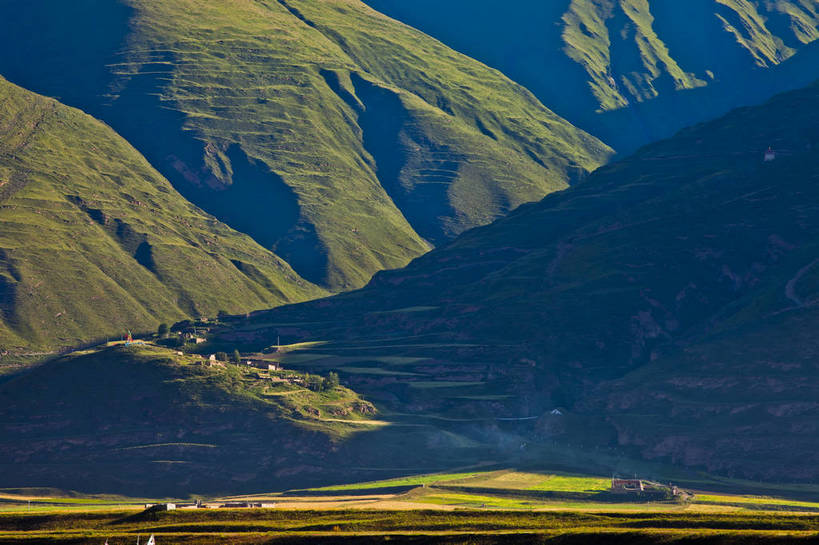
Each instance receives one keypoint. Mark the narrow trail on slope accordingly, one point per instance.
(790, 287)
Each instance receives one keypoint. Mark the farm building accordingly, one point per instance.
(264, 364)
(625, 486)
(247, 505)
(161, 506)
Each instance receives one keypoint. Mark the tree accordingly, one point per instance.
(182, 326)
(315, 383)
(162, 330)
(172, 341)
(237, 356)
(222, 356)
(223, 314)
(331, 382)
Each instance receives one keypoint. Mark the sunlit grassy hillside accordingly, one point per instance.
(94, 241)
(342, 140)
(632, 71)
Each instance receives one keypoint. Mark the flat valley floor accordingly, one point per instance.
(471, 507)
(242, 526)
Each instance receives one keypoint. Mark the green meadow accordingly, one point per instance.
(506, 506)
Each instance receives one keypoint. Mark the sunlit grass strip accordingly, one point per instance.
(159, 445)
(405, 481)
(718, 499)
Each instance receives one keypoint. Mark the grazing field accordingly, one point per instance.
(538, 490)
(312, 526)
(509, 506)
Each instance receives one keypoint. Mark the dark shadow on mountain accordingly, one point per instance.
(524, 45)
(662, 117)
(387, 132)
(693, 46)
(144, 255)
(243, 193)
(9, 283)
(305, 252)
(62, 49)
(504, 40)
(75, 44)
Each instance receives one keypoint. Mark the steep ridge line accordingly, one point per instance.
(243, 120)
(632, 71)
(97, 242)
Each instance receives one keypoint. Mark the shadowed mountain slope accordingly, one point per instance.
(144, 420)
(342, 140)
(95, 242)
(625, 69)
(692, 258)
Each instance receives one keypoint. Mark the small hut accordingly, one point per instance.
(770, 155)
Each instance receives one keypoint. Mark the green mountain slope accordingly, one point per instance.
(614, 58)
(685, 272)
(95, 242)
(342, 140)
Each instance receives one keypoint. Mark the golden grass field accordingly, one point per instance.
(465, 507)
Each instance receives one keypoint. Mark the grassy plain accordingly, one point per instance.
(309, 526)
(531, 490)
(423, 509)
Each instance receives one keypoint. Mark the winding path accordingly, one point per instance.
(790, 287)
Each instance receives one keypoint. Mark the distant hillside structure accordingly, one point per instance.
(770, 155)
(160, 506)
(625, 486)
(263, 364)
(192, 337)
(246, 505)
